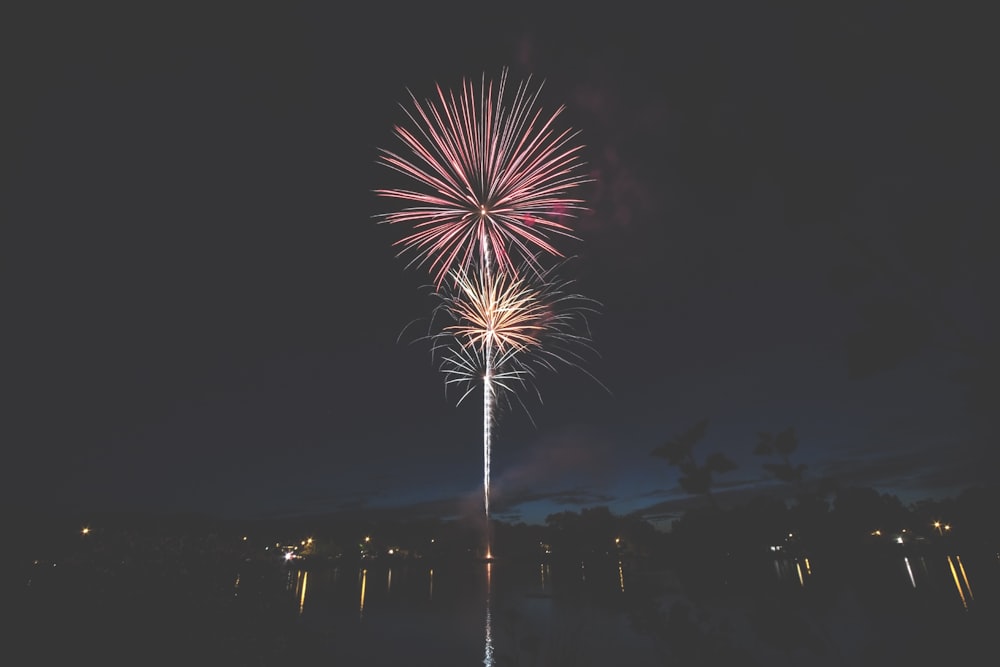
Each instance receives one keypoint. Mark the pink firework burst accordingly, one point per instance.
(493, 180)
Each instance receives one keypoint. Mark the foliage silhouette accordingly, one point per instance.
(695, 478)
(782, 444)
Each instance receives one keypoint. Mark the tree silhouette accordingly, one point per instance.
(782, 444)
(696, 478)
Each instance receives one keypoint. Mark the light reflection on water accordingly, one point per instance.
(466, 610)
(943, 574)
(302, 581)
(793, 570)
(402, 581)
(488, 648)
(467, 607)
(439, 603)
(364, 580)
(958, 584)
(909, 571)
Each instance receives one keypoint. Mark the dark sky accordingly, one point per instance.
(788, 228)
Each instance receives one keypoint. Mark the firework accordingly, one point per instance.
(491, 182)
(501, 331)
(524, 325)
(492, 179)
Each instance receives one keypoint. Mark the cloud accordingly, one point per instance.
(575, 497)
(573, 458)
(920, 472)
(617, 127)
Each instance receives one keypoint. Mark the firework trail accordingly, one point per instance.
(491, 181)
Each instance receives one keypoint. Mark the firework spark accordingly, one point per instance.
(531, 324)
(496, 311)
(493, 179)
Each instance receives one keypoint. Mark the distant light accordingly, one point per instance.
(289, 555)
(244, 538)
(85, 531)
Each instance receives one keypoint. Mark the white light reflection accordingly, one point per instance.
(488, 649)
(621, 577)
(431, 595)
(909, 570)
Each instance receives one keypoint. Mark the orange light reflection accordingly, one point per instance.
(958, 585)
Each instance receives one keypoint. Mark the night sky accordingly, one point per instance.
(788, 227)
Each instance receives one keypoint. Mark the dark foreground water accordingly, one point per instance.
(903, 608)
